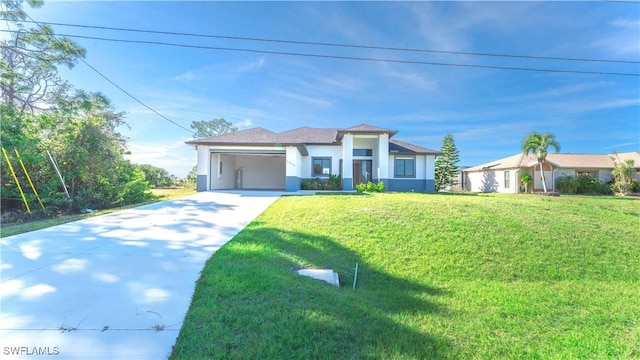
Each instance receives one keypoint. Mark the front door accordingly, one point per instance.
(361, 171)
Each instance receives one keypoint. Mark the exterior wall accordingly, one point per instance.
(334, 152)
(420, 185)
(424, 174)
(293, 169)
(492, 181)
(202, 173)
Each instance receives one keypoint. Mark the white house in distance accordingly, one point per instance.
(503, 175)
(261, 159)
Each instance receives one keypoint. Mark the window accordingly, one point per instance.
(362, 152)
(586, 173)
(405, 167)
(321, 166)
(507, 180)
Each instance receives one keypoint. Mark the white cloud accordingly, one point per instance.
(621, 40)
(187, 76)
(243, 123)
(252, 65)
(411, 79)
(635, 144)
(302, 98)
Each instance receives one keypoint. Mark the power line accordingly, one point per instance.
(339, 57)
(113, 83)
(341, 45)
(135, 98)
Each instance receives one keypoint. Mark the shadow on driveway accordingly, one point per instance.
(115, 286)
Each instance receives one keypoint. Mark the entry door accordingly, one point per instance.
(362, 171)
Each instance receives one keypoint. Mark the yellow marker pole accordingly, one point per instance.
(16, 179)
(29, 178)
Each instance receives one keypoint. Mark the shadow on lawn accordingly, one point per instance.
(250, 303)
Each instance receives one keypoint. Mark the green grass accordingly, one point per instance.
(23, 227)
(440, 276)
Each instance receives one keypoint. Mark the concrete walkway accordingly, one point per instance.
(115, 286)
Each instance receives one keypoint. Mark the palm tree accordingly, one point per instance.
(538, 144)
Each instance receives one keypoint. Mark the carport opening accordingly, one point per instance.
(246, 171)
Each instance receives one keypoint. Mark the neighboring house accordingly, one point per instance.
(261, 159)
(503, 175)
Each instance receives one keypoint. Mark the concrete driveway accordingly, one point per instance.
(115, 286)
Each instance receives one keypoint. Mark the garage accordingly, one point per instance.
(245, 170)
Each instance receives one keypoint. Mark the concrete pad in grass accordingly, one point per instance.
(326, 275)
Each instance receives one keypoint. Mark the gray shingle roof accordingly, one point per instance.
(256, 135)
(403, 147)
(307, 135)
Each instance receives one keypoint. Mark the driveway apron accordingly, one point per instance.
(115, 286)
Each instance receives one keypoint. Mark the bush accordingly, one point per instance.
(334, 182)
(370, 187)
(591, 185)
(136, 190)
(567, 184)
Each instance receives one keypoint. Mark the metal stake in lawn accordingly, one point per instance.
(355, 277)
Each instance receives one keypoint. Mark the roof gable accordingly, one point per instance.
(366, 129)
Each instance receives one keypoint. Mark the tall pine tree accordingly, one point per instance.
(446, 164)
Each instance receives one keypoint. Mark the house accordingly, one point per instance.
(258, 158)
(503, 175)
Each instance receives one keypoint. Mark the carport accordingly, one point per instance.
(256, 169)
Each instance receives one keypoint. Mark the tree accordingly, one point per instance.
(623, 181)
(156, 177)
(192, 175)
(213, 127)
(539, 144)
(30, 57)
(446, 164)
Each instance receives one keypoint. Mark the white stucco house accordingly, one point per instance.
(503, 175)
(258, 158)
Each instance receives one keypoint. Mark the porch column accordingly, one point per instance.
(202, 175)
(347, 162)
(383, 159)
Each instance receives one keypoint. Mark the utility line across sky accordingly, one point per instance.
(341, 45)
(340, 57)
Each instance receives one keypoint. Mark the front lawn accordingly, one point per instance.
(440, 276)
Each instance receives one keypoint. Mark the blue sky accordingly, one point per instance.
(488, 111)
